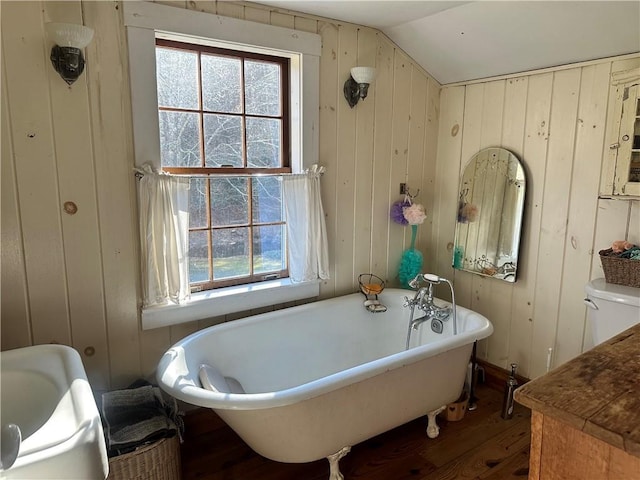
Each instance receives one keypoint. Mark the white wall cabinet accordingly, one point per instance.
(621, 173)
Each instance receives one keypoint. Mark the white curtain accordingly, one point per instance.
(306, 229)
(164, 234)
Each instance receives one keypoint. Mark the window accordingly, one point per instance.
(147, 22)
(225, 113)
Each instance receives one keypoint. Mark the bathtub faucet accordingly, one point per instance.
(432, 312)
(423, 300)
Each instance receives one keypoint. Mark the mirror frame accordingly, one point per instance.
(490, 224)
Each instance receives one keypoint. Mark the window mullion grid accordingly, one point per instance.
(243, 102)
(243, 105)
(250, 219)
(284, 114)
(209, 230)
(284, 162)
(201, 110)
(203, 163)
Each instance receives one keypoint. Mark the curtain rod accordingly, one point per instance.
(139, 173)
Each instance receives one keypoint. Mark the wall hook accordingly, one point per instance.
(405, 190)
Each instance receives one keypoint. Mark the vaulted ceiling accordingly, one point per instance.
(458, 41)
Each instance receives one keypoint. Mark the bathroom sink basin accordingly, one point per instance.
(45, 392)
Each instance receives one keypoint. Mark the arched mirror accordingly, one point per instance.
(489, 220)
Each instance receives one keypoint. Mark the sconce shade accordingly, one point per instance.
(357, 85)
(66, 54)
(69, 34)
(363, 74)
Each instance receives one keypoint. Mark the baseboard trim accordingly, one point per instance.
(496, 377)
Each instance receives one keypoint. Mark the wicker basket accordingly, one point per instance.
(157, 461)
(621, 271)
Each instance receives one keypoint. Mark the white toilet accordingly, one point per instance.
(612, 308)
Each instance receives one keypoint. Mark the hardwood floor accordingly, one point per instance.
(480, 446)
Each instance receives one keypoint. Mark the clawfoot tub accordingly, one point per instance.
(311, 381)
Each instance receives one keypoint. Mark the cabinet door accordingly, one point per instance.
(627, 174)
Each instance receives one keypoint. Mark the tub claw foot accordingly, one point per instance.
(433, 430)
(334, 468)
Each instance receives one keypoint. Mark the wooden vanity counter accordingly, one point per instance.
(585, 421)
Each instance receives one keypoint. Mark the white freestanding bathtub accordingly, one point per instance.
(323, 376)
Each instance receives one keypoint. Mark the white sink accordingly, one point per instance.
(45, 392)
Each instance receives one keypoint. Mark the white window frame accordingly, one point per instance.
(144, 22)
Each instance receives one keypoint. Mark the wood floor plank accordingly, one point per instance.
(487, 457)
(456, 444)
(480, 446)
(514, 468)
(458, 438)
(394, 454)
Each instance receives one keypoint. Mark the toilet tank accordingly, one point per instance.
(612, 308)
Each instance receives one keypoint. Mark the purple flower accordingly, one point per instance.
(397, 211)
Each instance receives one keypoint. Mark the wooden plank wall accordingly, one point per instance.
(73, 279)
(555, 122)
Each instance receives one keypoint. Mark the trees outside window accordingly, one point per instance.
(223, 117)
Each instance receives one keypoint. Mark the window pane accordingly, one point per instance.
(198, 257)
(263, 142)
(219, 109)
(198, 203)
(221, 84)
(177, 76)
(262, 81)
(222, 140)
(229, 201)
(268, 249)
(267, 200)
(179, 139)
(230, 253)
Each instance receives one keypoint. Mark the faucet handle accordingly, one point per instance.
(443, 313)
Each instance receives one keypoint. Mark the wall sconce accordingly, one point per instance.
(357, 85)
(66, 54)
